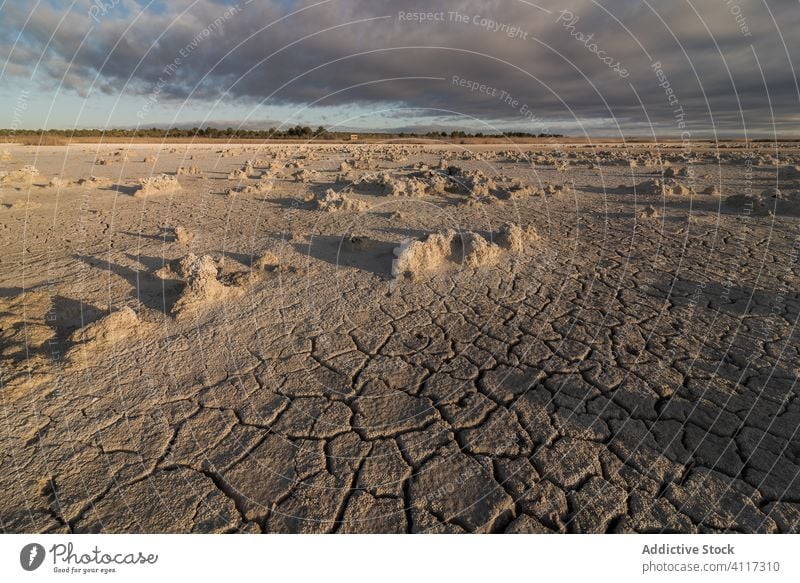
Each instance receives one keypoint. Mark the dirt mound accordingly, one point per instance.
(303, 175)
(557, 189)
(60, 182)
(237, 174)
(161, 184)
(649, 212)
(513, 238)
(438, 250)
(331, 201)
(667, 186)
(773, 192)
(22, 205)
(414, 257)
(410, 187)
(748, 204)
(108, 330)
(267, 261)
(371, 182)
(202, 284)
(183, 236)
(478, 252)
(472, 182)
(437, 184)
(23, 327)
(94, 181)
(674, 172)
(517, 190)
(189, 171)
(260, 187)
(26, 174)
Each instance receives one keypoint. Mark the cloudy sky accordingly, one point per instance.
(606, 67)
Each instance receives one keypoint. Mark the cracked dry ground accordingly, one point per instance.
(619, 376)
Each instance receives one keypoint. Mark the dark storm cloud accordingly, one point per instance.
(724, 60)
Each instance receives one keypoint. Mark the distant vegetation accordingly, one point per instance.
(54, 137)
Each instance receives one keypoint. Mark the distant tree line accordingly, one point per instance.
(462, 134)
(296, 132)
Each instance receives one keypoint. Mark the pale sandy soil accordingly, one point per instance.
(629, 364)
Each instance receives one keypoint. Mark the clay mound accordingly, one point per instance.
(649, 212)
(237, 174)
(202, 284)
(331, 201)
(22, 205)
(347, 178)
(23, 328)
(790, 172)
(653, 186)
(712, 190)
(161, 184)
(513, 238)
(748, 204)
(415, 257)
(773, 192)
(478, 252)
(189, 171)
(437, 183)
(668, 186)
(674, 187)
(475, 201)
(787, 201)
(410, 187)
(96, 181)
(561, 165)
(557, 189)
(168, 271)
(59, 182)
(518, 190)
(149, 159)
(110, 329)
(651, 162)
(303, 175)
(472, 182)
(438, 250)
(26, 174)
(267, 261)
(183, 236)
(260, 187)
(372, 183)
(672, 172)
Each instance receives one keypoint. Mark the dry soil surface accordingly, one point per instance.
(376, 338)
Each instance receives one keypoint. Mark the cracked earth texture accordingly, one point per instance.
(625, 372)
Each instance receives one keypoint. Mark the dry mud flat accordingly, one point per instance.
(399, 339)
